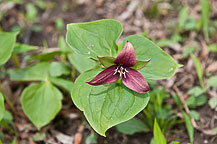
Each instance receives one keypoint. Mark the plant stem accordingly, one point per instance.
(16, 60)
(7, 99)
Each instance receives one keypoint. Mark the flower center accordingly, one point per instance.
(121, 70)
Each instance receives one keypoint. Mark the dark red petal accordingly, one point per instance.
(127, 56)
(104, 77)
(135, 81)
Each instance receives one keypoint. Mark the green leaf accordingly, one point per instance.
(212, 48)
(205, 17)
(158, 135)
(189, 50)
(199, 70)
(107, 61)
(58, 69)
(94, 39)
(80, 62)
(44, 56)
(165, 43)
(105, 106)
(140, 64)
(14, 141)
(91, 139)
(191, 24)
(59, 24)
(196, 91)
(39, 136)
(175, 142)
(2, 107)
(183, 16)
(213, 103)
(215, 130)
(31, 12)
(21, 48)
(62, 83)
(132, 126)
(189, 127)
(41, 102)
(212, 81)
(195, 115)
(7, 42)
(161, 66)
(63, 46)
(37, 72)
(8, 117)
(194, 101)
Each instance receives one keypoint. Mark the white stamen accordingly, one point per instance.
(121, 70)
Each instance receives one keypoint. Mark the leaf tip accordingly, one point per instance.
(179, 65)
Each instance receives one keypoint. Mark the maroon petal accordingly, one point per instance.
(135, 81)
(127, 56)
(104, 77)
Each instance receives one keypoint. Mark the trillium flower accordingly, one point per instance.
(123, 66)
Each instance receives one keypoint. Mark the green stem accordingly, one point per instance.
(7, 99)
(16, 60)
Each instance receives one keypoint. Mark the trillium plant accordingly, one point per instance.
(115, 89)
(122, 68)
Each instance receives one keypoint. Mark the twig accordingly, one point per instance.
(78, 135)
(207, 132)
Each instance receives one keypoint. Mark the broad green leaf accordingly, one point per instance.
(195, 115)
(21, 48)
(94, 39)
(58, 69)
(132, 126)
(41, 102)
(7, 43)
(194, 101)
(107, 61)
(212, 47)
(196, 91)
(212, 81)
(105, 106)
(62, 83)
(2, 107)
(199, 70)
(213, 103)
(205, 17)
(8, 117)
(80, 62)
(189, 127)
(37, 72)
(161, 66)
(158, 135)
(183, 16)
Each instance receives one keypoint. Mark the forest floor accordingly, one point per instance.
(137, 16)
